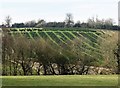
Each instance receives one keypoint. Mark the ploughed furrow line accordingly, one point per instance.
(43, 35)
(84, 49)
(67, 38)
(90, 52)
(73, 35)
(38, 34)
(88, 37)
(95, 36)
(34, 34)
(68, 35)
(92, 39)
(19, 32)
(76, 34)
(86, 46)
(51, 38)
(92, 35)
(91, 43)
(58, 37)
(54, 38)
(99, 36)
(26, 34)
(30, 35)
(61, 36)
(89, 47)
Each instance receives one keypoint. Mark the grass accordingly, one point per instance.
(70, 80)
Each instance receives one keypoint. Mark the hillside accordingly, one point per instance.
(65, 51)
(90, 37)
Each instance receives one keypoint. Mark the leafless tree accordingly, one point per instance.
(69, 20)
(8, 21)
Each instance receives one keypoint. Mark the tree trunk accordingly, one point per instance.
(59, 69)
(82, 70)
(23, 68)
(53, 71)
(45, 69)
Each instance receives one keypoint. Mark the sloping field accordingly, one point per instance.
(90, 37)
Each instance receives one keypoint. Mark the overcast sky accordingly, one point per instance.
(55, 10)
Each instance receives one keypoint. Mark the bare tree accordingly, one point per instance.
(40, 23)
(8, 21)
(109, 22)
(91, 22)
(31, 23)
(69, 20)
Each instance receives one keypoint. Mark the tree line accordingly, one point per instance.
(95, 23)
(22, 56)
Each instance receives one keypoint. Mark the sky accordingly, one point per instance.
(55, 10)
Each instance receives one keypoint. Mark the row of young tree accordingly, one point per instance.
(22, 56)
(69, 22)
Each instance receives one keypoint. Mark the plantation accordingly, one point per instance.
(36, 51)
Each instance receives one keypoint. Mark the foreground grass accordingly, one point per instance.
(72, 80)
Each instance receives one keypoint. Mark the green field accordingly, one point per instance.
(76, 80)
(63, 36)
